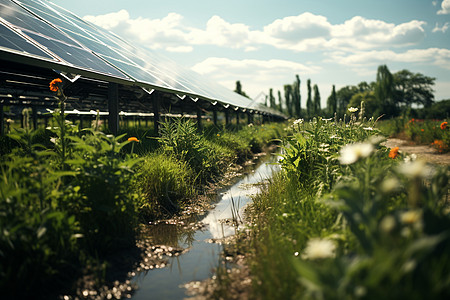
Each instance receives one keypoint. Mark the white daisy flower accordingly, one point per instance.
(319, 248)
(351, 153)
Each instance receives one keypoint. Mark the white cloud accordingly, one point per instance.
(221, 33)
(436, 56)
(167, 33)
(445, 8)
(442, 29)
(305, 32)
(308, 32)
(253, 74)
(298, 28)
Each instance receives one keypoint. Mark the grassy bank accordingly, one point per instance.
(71, 198)
(347, 218)
(421, 131)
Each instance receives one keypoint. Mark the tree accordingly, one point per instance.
(343, 96)
(239, 89)
(332, 102)
(272, 99)
(413, 88)
(370, 103)
(287, 97)
(296, 97)
(316, 100)
(309, 103)
(280, 105)
(384, 91)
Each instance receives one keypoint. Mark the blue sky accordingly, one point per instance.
(265, 43)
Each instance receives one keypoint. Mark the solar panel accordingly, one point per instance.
(91, 38)
(64, 48)
(24, 21)
(174, 76)
(13, 41)
(67, 39)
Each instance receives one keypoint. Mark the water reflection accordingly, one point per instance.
(202, 256)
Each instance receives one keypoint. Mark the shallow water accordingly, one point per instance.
(202, 257)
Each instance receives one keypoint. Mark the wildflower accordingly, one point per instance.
(353, 152)
(422, 129)
(218, 134)
(389, 185)
(387, 224)
(443, 125)
(298, 121)
(411, 217)
(415, 169)
(439, 145)
(352, 109)
(133, 139)
(393, 153)
(319, 248)
(410, 158)
(54, 84)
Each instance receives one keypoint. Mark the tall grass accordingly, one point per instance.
(347, 218)
(70, 198)
(165, 184)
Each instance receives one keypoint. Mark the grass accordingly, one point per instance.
(344, 220)
(431, 132)
(71, 198)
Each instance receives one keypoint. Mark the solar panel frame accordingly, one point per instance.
(76, 45)
(180, 80)
(19, 19)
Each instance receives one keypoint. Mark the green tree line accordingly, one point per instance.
(391, 94)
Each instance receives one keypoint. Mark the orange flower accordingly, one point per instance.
(54, 84)
(422, 130)
(133, 139)
(394, 152)
(440, 146)
(443, 125)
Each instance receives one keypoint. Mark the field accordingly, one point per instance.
(346, 218)
(72, 199)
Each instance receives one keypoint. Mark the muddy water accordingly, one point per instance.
(201, 254)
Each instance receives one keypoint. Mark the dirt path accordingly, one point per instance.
(425, 152)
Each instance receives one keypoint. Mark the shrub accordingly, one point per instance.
(164, 183)
(38, 240)
(100, 193)
(180, 139)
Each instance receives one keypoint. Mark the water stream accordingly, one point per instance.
(202, 256)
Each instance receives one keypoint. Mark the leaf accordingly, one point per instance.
(41, 231)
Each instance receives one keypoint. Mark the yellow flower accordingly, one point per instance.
(133, 139)
(218, 134)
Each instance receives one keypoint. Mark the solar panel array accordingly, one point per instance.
(53, 36)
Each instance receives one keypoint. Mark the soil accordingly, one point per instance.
(424, 152)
